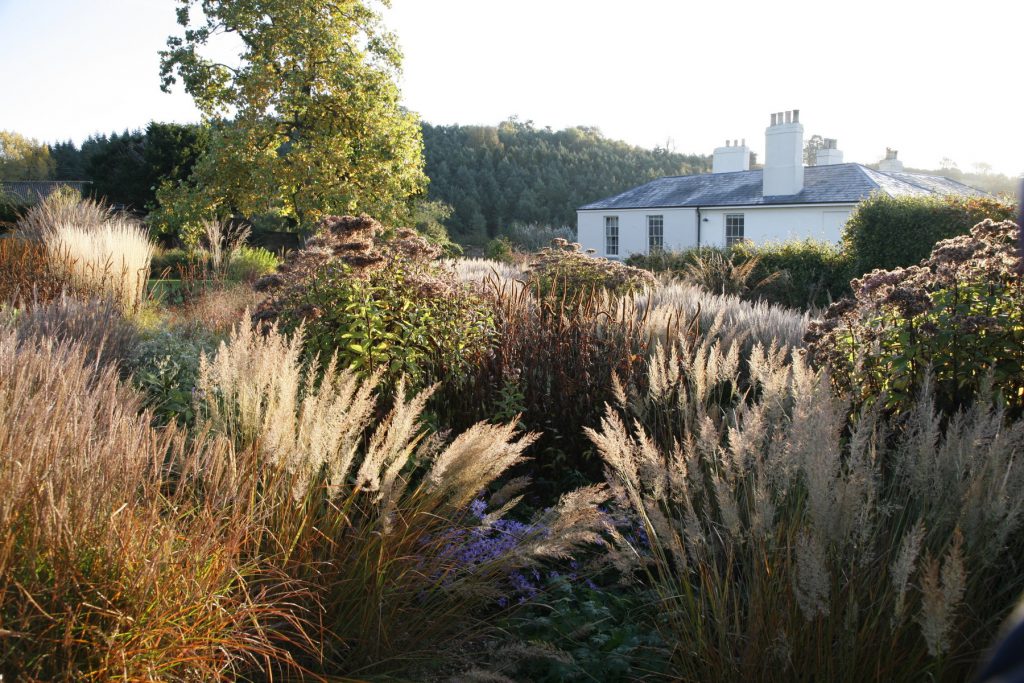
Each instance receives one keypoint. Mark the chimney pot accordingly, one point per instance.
(789, 116)
(773, 119)
(744, 142)
(781, 118)
(796, 116)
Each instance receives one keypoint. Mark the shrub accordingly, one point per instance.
(665, 260)
(109, 260)
(248, 264)
(106, 571)
(893, 232)
(384, 305)
(784, 543)
(11, 211)
(499, 249)
(727, 273)
(565, 271)
(959, 316)
(385, 529)
(814, 274)
(171, 261)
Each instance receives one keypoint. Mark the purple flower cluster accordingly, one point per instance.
(481, 545)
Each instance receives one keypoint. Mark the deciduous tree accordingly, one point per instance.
(22, 158)
(307, 123)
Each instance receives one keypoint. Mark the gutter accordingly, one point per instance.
(698, 227)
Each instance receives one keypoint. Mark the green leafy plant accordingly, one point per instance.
(383, 305)
(958, 317)
(499, 249)
(581, 632)
(165, 368)
(248, 264)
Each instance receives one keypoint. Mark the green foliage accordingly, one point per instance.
(562, 270)
(499, 249)
(248, 264)
(315, 122)
(22, 158)
(957, 321)
(495, 176)
(590, 634)
(894, 232)
(171, 261)
(389, 321)
(814, 273)
(126, 168)
(11, 209)
(428, 220)
(797, 274)
(165, 368)
(380, 303)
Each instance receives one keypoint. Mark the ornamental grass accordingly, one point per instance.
(787, 544)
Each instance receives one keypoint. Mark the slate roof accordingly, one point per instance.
(838, 183)
(31, 190)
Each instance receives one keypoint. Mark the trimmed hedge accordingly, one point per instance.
(894, 232)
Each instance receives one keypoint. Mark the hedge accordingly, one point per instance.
(893, 232)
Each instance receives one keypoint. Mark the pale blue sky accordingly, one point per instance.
(932, 79)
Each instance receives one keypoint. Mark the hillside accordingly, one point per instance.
(495, 176)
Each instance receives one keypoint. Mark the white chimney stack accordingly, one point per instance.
(890, 163)
(733, 157)
(828, 154)
(784, 155)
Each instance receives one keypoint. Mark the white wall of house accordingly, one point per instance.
(761, 224)
(680, 230)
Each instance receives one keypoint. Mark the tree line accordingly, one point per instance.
(490, 176)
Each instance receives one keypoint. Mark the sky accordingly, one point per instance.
(935, 80)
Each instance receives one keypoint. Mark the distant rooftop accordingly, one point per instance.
(834, 184)
(32, 190)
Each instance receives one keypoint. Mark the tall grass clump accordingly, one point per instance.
(110, 260)
(98, 327)
(26, 274)
(106, 571)
(786, 544)
(64, 206)
(728, 318)
(404, 558)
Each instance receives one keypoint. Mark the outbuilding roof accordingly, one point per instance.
(834, 184)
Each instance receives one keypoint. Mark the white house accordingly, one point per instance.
(784, 200)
